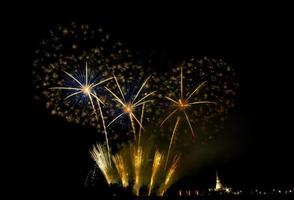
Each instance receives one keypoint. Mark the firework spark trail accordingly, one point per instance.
(121, 169)
(129, 107)
(188, 120)
(196, 90)
(119, 88)
(91, 100)
(137, 159)
(105, 130)
(142, 86)
(140, 102)
(99, 154)
(173, 112)
(141, 120)
(170, 174)
(182, 84)
(133, 126)
(158, 157)
(171, 142)
(88, 90)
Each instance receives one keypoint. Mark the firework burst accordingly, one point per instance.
(183, 103)
(120, 164)
(99, 155)
(170, 175)
(211, 80)
(129, 107)
(158, 157)
(137, 162)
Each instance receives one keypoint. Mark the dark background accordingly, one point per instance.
(254, 41)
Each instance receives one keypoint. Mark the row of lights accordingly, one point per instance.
(237, 192)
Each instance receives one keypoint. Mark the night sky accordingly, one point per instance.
(261, 123)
